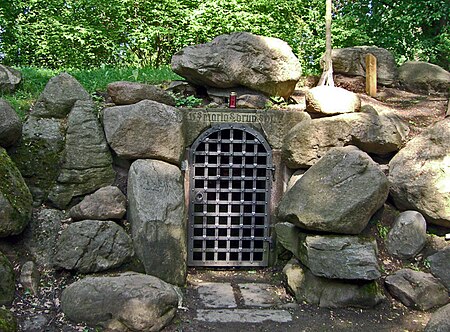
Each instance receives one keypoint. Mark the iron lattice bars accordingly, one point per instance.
(230, 185)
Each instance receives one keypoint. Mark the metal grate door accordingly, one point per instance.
(229, 194)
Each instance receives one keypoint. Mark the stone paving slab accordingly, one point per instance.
(216, 295)
(259, 295)
(243, 315)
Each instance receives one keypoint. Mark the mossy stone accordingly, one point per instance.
(7, 281)
(7, 321)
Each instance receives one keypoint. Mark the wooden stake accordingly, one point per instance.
(371, 75)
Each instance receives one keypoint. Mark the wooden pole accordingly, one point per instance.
(371, 75)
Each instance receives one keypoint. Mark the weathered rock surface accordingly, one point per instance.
(126, 93)
(440, 320)
(339, 257)
(156, 213)
(87, 163)
(372, 132)
(440, 266)
(104, 204)
(15, 198)
(10, 125)
(338, 194)
(29, 277)
(59, 96)
(417, 289)
(288, 235)
(90, 246)
(41, 235)
(420, 173)
(330, 293)
(329, 100)
(10, 78)
(8, 322)
(7, 281)
(126, 302)
(145, 130)
(351, 61)
(424, 77)
(408, 235)
(260, 63)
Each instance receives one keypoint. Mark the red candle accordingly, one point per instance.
(232, 101)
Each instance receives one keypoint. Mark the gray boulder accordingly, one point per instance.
(424, 77)
(157, 215)
(29, 277)
(15, 198)
(419, 174)
(59, 96)
(260, 63)
(338, 194)
(408, 235)
(372, 132)
(440, 320)
(327, 293)
(87, 163)
(329, 100)
(90, 246)
(10, 125)
(288, 235)
(7, 281)
(145, 130)
(10, 78)
(126, 93)
(351, 61)
(125, 302)
(417, 289)
(339, 257)
(40, 236)
(104, 204)
(440, 266)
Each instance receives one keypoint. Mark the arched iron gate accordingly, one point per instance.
(231, 173)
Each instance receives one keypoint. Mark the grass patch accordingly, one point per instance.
(93, 80)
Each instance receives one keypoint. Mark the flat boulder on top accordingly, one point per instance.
(125, 93)
(10, 78)
(424, 77)
(417, 289)
(329, 100)
(10, 125)
(419, 174)
(338, 194)
(124, 302)
(147, 129)
(261, 63)
(106, 203)
(351, 61)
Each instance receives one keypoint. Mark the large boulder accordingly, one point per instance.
(408, 235)
(157, 216)
(261, 63)
(440, 266)
(59, 96)
(126, 93)
(417, 289)
(338, 194)
(104, 204)
(10, 78)
(440, 320)
(90, 246)
(424, 77)
(10, 125)
(327, 293)
(15, 198)
(125, 302)
(372, 132)
(41, 235)
(351, 61)
(420, 173)
(7, 281)
(329, 100)
(145, 130)
(339, 257)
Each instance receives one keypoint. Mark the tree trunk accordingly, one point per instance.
(327, 74)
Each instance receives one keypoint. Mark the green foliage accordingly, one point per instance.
(382, 230)
(142, 33)
(189, 101)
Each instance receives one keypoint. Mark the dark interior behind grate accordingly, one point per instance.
(229, 195)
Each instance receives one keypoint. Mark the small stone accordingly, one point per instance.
(29, 277)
